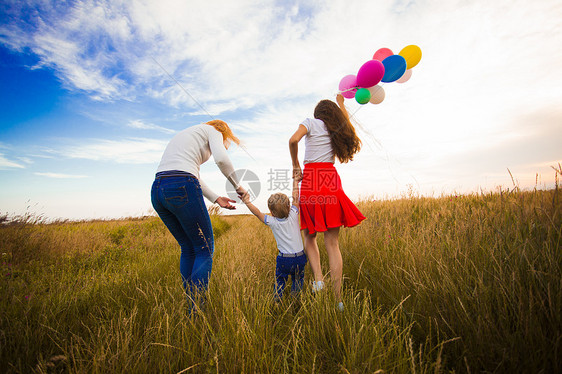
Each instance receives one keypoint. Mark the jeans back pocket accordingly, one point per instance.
(175, 195)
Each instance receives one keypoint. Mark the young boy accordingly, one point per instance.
(284, 222)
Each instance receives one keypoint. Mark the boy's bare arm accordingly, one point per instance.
(255, 211)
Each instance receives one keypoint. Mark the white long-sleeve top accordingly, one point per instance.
(193, 146)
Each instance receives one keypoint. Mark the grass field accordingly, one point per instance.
(451, 284)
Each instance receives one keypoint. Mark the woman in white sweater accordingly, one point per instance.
(177, 195)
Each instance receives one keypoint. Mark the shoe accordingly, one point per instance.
(317, 286)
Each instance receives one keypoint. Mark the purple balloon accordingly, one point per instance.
(370, 73)
(348, 86)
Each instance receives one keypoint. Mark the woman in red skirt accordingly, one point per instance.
(324, 206)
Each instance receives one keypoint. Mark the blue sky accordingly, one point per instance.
(88, 106)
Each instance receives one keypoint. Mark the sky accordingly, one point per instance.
(92, 91)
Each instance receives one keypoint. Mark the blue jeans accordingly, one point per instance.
(293, 266)
(178, 200)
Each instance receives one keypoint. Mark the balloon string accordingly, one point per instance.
(387, 156)
(349, 89)
(369, 277)
(357, 87)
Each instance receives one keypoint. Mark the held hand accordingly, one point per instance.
(297, 173)
(245, 197)
(225, 202)
(243, 194)
(241, 191)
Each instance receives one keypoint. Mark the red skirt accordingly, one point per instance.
(323, 204)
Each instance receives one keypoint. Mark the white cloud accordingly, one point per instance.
(127, 151)
(138, 124)
(9, 164)
(262, 66)
(61, 176)
(249, 53)
(26, 160)
(81, 43)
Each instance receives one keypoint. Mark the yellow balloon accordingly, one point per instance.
(412, 54)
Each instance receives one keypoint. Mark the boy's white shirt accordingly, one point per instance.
(287, 231)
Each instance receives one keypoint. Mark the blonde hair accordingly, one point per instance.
(223, 128)
(279, 205)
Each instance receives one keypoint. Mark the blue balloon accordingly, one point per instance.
(394, 68)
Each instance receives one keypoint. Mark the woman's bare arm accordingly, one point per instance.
(294, 150)
(340, 101)
(295, 192)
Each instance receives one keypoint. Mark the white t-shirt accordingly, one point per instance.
(287, 231)
(318, 146)
(193, 146)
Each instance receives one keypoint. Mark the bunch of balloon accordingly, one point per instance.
(385, 67)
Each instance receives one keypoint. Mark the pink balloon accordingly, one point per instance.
(370, 73)
(348, 86)
(382, 53)
(404, 78)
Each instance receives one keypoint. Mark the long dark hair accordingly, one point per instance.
(345, 141)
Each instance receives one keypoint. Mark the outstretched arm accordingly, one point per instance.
(340, 100)
(255, 211)
(216, 145)
(225, 202)
(218, 151)
(294, 149)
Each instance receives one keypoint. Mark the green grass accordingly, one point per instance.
(452, 284)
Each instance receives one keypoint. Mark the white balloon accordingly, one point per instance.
(404, 78)
(377, 94)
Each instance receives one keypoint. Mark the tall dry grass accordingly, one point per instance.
(483, 272)
(120, 307)
(457, 283)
